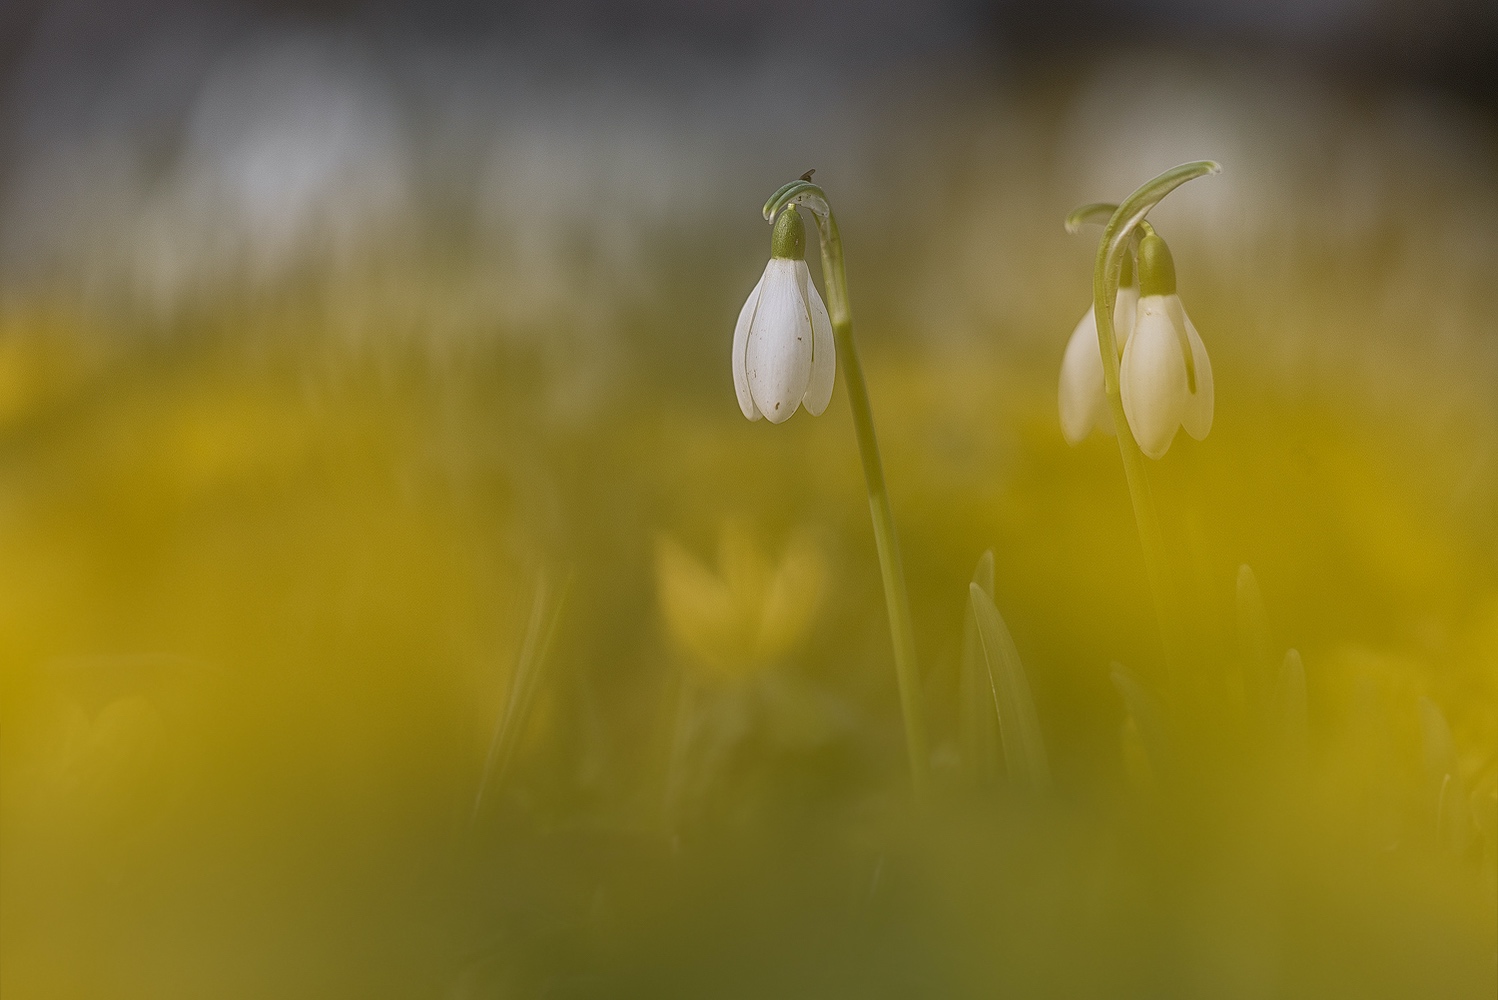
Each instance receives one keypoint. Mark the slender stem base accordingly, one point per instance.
(1114, 246)
(896, 599)
(890, 567)
(1152, 541)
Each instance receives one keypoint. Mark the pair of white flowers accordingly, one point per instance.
(784, 355)
(1164, 375)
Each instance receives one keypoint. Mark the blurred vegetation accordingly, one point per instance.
(264, 586)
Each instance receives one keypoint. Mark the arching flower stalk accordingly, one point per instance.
(779, 362)
(1160, 400)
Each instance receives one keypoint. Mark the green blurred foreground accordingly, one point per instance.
(263, 597)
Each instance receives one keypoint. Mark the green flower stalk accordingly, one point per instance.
(782, 358)
(1159, 379)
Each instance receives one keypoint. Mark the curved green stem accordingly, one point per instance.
(886, 539)
(1117, 233)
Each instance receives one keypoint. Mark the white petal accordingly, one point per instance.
(823, 348)
(1080, 397)
(1153, 378)
(740, 346)
(1198, 416)
(778, 358)
(1083, 402)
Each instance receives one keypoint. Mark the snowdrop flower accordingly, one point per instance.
(783, 354)
(1082, 399)
(1165, 377)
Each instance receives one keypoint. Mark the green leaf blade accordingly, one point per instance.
(1019, 728)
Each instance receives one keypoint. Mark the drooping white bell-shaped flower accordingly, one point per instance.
(1165, 376)
(1082, 400)
(783, 353)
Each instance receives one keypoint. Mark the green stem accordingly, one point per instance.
(1111, 249)
(886, 539)
(1151, 539)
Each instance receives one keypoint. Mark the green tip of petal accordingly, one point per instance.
(788, 242)
(1157, 269)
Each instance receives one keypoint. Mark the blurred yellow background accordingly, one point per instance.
(302, 397)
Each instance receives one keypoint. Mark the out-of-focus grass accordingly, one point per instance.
(262, 588)
(259, 622)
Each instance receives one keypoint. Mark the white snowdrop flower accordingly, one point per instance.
(783, 354)
(1165, 377)
(1081, 397)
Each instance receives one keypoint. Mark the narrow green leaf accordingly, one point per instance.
(978, 724)
(1253, 640)
(983, 573)
(1145, 712)
(1024, 749)
(1293, 714)
(1453, 821)
(540, 631)
(1435, 734)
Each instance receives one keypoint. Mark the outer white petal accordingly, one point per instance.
(779, 353)
(1080, 397)
(740, 346)
(1152, 378)
(1082, 400)
(1198, 416)
(823, 348)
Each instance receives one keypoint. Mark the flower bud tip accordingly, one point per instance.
(788, 241)
(1157, 269)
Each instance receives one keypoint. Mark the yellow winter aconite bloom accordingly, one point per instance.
(748, 613)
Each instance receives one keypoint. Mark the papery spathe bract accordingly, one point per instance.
(1158, 392)
(1081, 397)
(783, 353)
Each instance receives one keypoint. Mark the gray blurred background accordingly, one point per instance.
(504, 169)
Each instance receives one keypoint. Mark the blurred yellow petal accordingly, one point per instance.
(792, 599)
(749, 613)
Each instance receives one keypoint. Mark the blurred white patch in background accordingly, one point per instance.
(450, 191)
(286, 153)
(292, 148)
(477, 181)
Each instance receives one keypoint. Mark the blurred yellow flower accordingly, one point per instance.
(747, 614)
